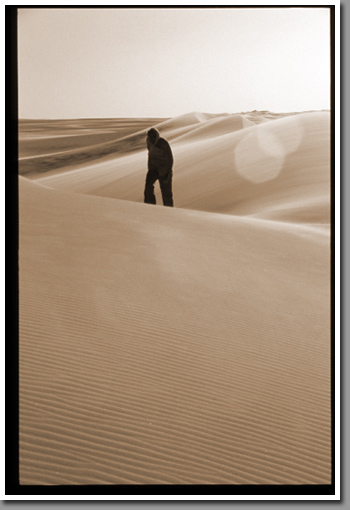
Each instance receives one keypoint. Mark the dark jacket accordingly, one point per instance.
(160, 156)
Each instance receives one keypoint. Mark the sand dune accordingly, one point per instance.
(179, 345)
(253, 169)
(49, 145)
(168, 346)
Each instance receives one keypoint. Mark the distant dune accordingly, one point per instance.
(186, 345)
(226, 164)
(48, 145)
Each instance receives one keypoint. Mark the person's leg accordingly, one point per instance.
(166, 189)
(151, 177)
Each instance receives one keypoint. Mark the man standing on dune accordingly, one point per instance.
(160, 167)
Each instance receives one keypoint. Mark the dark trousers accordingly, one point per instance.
(165, 184)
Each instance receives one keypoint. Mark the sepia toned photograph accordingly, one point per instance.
(175, 191)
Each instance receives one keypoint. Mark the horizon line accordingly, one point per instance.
(171, 116)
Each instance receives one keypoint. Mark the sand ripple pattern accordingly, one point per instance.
(170, 346)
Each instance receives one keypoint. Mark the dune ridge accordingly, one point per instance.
(186, 345)
(257, 169)
(50, 145)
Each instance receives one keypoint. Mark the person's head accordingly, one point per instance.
(153, 135)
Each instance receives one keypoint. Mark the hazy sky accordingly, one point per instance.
(76, 63)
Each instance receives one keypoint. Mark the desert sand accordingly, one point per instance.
(185, 345)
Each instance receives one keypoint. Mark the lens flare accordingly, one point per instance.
(260, 156)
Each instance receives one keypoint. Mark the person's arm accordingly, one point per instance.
(168, 153)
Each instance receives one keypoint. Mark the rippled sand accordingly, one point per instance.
(176, 346)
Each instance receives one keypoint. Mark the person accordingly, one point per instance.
(160, 167)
